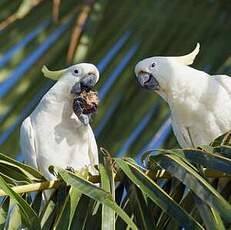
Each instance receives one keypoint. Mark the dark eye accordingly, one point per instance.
(76, 71)
(153, 65)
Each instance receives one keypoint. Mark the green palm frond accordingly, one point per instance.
(169, 192)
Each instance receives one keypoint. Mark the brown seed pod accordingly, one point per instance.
(91, 101)
(86, 102)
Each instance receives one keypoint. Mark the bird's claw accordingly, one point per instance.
(69, 168)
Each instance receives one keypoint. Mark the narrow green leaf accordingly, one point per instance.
(126, 206)
(65, 216)
(29, 216)
(191, 178)
(157, 194)
(94, 216)
(226, 191)
(207, 159)
(178, 152)
(75, 196)
(3, 211)
(224, 150)
(206, 148)
(176, 192)
(210, 216)
(23, 167)
(14, 173)
(224, 139)
(36, 204)
(119, 192)
(188, 204)
(47, 216)
(95, 193)
(85, 205)
(107, 184)
(14, 217)
(139, 207)
(8, 180)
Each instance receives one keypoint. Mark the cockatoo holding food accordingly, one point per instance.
(53, 134)
(200, 103)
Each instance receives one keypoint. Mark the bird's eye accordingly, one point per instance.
(153, 65)
(75, 71)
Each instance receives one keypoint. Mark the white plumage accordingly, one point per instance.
(52, 134)
(200, 103)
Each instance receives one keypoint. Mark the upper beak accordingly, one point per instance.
(141, 79)
(148, 81)
(89, 80)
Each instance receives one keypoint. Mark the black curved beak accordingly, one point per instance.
(148, 81)
(89, 81)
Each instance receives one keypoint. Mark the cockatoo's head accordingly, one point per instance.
(73, 77)
(155, 73)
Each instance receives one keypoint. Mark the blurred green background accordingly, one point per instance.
(113, 35)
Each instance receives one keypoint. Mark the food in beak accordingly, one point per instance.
(85, 104)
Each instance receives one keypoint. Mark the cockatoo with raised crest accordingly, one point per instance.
(200, 103)
(53, 134)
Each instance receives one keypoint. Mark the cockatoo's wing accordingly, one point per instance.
(27, 142)
(225, 82)
(93, 152)
(182, 133)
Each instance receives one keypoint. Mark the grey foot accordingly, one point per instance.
(69, 168)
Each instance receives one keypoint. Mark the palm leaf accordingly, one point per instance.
(159, 196)
(95, 193)
(194, 181)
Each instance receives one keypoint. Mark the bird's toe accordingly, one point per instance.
(71, 169)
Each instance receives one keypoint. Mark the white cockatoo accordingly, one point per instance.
(200, 103)
(52, 134)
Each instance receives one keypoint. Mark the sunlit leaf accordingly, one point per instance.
(27, 170)
(107, 184)
(95, 193)
(29, 216)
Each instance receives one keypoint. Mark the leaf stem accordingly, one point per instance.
(161, 174)
(34, 187)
